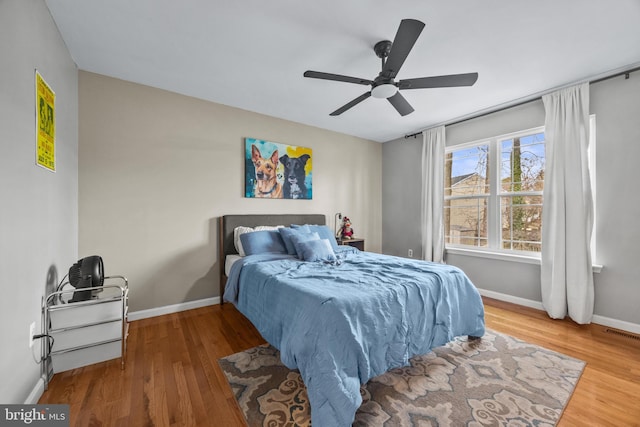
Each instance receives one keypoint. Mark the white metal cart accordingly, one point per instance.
(85, 332)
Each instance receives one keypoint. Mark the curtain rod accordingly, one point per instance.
(522, 101)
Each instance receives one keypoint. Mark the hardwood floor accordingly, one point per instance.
(172, 378)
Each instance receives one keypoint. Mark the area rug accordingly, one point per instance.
(496, 381)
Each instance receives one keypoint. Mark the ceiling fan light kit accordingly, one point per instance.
(386, 90)
(393, 56)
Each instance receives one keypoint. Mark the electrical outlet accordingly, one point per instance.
(410, 253)
(32, 332)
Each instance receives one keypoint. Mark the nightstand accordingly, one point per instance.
(356, 243)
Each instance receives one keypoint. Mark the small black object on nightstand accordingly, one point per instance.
(356, 243)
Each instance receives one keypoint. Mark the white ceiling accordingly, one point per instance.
(252, 54)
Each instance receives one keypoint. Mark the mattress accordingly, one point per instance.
(228, 263)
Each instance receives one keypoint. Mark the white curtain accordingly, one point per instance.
(432, 194)
(567, 217)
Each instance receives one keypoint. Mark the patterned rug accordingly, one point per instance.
(496, 381)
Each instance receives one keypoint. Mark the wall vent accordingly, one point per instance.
(623, 334)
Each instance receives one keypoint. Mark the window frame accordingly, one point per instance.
(494, 229)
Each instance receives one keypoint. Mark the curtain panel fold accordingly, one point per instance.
(432, 206)
(567, 217)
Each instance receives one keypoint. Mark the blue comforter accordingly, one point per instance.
(343, 324)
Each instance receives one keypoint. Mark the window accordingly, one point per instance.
(521, 184)
(467, 191)
(493, 192)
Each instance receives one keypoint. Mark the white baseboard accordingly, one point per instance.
(600, 320)
(167, 309)
(38, 389)
(510, 298)
(617, 324)
(36, 393)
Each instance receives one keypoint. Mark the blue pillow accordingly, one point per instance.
(323, 231)
(316, 250)
(286, 234)
(303, 228)
(259, 242)
(299, 237)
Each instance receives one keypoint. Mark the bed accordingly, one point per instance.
(338, 315)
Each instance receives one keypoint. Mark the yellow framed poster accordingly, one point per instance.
(45, 124)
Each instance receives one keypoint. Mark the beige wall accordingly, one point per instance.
(156, 170)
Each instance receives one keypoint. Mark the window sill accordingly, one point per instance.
(504, 256)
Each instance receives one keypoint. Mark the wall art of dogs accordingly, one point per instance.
(266, 185)
(294, 175)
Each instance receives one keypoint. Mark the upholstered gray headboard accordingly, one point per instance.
(228, 223)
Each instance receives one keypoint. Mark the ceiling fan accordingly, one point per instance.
(393, 56)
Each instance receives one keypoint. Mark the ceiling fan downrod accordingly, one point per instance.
(382, 49)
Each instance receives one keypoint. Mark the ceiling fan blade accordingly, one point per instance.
(451, 80)
(337, 77)
(406, 37)
(348, 105)
(401, 104)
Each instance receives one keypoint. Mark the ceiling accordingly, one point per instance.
(252, 54)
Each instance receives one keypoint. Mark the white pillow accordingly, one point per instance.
(241, 230)
(236, 238)
(268, 227)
